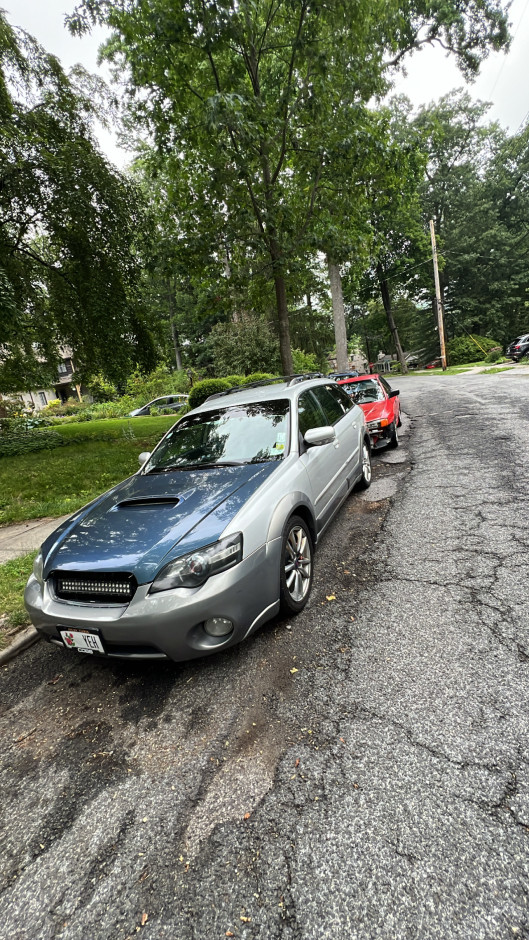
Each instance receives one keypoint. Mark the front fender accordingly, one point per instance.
(286, 507)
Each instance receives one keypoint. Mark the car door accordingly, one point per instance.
(328, 466)
(348, 425)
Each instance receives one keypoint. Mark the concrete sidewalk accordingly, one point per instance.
(25, 537)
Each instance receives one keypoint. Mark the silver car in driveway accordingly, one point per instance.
(214, 535)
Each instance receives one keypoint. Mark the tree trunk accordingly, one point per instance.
(282, 311)
(340, 331)
(386, 300)
(174, 334)
(178, 358)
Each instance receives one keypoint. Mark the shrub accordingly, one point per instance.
(235, 380)
(257, 377)
(495, 354)
(468, 348)
(304, 362)
(14, 443)
(143, 388)
(204, 389)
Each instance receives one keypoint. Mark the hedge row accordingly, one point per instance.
(14, 443)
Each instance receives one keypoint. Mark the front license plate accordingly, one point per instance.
(84, 641)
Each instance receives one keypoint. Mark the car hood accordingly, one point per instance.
(149, 519)
(376, 410)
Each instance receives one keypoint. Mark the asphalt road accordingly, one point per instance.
(358, 772)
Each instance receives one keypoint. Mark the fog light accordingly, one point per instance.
(218, 626)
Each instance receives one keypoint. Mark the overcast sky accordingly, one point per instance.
(504, 79)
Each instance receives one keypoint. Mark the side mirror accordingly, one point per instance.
(143, 458)
(316, 437)
(394, 393)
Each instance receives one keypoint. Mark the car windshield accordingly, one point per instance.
(242, 434)
(364, 391)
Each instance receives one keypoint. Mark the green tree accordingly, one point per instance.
(68, 227)
(238, 84)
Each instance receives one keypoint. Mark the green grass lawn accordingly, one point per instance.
(56, 482)
(13, 577)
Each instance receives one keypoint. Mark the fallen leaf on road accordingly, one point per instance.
(229, 933)
(144, 919)
(246, 920)
(294, 669)
(331, 597)
(55, 679)
(297, 762)
(246, 815)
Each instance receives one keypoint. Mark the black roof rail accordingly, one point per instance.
(289, 379)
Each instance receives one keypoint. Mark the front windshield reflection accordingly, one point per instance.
(242, 434)
(365, 391)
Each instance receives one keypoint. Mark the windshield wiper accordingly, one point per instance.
(199, 466)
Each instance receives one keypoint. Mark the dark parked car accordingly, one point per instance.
(214, 535)
(518, 348)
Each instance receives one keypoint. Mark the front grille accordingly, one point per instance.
(94, 587)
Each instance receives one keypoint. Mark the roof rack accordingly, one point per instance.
(289, 379)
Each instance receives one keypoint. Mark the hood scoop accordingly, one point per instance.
(149, 502)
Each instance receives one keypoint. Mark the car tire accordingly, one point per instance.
(367, 470)
(393, 435)
(296, 571)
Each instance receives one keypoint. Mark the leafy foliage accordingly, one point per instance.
(69, 223)
(468, 348)
(204, 389)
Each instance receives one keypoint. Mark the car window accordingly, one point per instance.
(341, 397)
(364, 391)
(330, 405)
(310, 414)
(385, 384)
(251, 433)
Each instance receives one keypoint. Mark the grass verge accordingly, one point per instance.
(13, 577)
(57, 482)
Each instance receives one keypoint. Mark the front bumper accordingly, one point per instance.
(170, 624)
(379, 438)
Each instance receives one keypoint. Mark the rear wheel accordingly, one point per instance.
(393, 435)
(296, 566)
(367, 471)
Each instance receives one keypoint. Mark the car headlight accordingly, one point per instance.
(377, 425)
(38, 566)
(194, 569)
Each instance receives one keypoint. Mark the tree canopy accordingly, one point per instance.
(69, 222)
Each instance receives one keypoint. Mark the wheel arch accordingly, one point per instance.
(295, 504)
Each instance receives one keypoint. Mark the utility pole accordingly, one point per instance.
(438, 297)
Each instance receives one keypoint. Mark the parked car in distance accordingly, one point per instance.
(518, 348)
(381, 406)
(342, 375)
(164, 403)
(214, 535)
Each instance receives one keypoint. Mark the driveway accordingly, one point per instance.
(359, 771)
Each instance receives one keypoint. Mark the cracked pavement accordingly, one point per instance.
(361, 771)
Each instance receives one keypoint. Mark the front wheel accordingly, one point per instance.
(296, 566)
(393, 435)
(367, 470)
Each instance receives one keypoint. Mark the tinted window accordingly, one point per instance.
(310, 414)
(341, 397)
(385, 384)
(331, 406)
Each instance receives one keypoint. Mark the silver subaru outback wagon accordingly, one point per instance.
(214, 535)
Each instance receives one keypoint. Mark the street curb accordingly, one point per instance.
(26, 639)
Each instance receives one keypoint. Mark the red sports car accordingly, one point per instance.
(381, 406)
